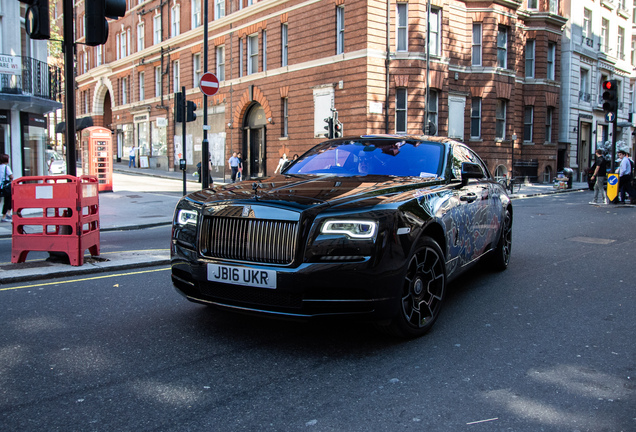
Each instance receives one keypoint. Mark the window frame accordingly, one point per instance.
(141, 36)
(549, 118)
(142, 85)
(477, 46)
(502, 47)
(220, 62)
(284, 44)
(157, 81)
(435, 40)
(197, 69)
(475, 117)
(175, 18)
(156, 29)
(176, 76)
(530, 57)
(195, 14)
(401, 110)
(219, 9)
(528, 123)
(501, 109)
(252, 54)
(340, 28)
(402, 27)
(433, 110)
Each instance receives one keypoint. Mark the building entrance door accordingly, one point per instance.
(254, 143)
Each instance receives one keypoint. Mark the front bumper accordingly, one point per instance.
(307, 291)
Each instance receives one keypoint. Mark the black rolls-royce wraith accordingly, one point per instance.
(372, 227)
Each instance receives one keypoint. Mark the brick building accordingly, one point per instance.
(494, 73)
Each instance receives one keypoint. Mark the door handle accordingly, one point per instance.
(468, 197)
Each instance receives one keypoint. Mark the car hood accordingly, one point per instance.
(309, 191)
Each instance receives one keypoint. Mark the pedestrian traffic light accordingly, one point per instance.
(178, 107)
(329, 127)
(337, 129)
(610, 96)
(36, 19)
(96, 26)
(190, 111)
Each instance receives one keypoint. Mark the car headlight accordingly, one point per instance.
(185, 217)
(356, 229)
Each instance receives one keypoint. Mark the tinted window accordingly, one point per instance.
(407, 158)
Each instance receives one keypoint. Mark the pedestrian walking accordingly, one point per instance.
(239, 175)
(233, 163)
(599, 176)
(625, 178)
(281, 163)
(7, 177)
(131, 157)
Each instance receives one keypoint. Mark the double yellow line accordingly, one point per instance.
(84, 279)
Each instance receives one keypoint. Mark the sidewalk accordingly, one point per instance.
(117, 213)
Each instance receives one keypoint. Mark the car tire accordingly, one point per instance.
(422, 294)
(500, 256)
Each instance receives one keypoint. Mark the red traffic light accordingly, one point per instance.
(607, 85)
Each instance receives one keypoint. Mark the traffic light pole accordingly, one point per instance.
(205, 148)
(69, 81)
(183, 137)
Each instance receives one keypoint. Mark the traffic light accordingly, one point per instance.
(329, 127)
(97, 11)
(337, 129)
(610, 96)
(190, 111)
(36, 20)
(178, 107)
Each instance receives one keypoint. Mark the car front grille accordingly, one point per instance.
(249, 240)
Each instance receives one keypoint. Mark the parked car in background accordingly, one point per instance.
(370, 227)
(56, 165)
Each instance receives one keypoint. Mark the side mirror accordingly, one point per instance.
(471, 170)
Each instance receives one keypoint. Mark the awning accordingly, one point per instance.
(80, 123)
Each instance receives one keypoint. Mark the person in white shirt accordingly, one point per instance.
(625, 178)
(6, 175)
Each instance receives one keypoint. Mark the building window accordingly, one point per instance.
(530, 46)
(633, 51)
(500, 119)
(252, 54)
(586, 31)
(118, 45)
(435, 45)
(621, 43)
(432, 111)
(502, 47)
(264, 50)
(241, 57)
(551, 70)
(528, 119)
(605, 35)
(195, 9)
(553, 6)
(99, 55)
(220, 62)
(124, 91)
(475, 118)
(219, 9)
(284, 44)
(140, 37)
(400, 110)
(584, 87)
(175, 21)
(124, 44)
(196, 69)
(156, 29)
(157, 81)
(476, 52)
(533, 4)
(402, 27)
(285, 131)
(548, 125)
(340, 26)
(176, 80)
(142, 86)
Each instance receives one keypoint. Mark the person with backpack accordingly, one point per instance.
(625, 178)
(599, 176)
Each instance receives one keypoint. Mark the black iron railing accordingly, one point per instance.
(37, 79)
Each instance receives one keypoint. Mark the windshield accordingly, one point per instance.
(393, 157)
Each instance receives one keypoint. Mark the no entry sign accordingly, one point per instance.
(209, 84)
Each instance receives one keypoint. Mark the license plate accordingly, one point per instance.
(242, 276)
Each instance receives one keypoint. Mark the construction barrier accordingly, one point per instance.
(55, 214)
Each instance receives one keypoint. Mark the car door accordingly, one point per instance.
(473, 211)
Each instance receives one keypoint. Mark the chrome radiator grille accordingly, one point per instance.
(252, 240)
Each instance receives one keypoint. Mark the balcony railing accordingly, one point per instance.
(32, 77)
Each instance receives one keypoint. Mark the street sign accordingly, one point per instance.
(612, 186)
(209, 84)
(610, 116)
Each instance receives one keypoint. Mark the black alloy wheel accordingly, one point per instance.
(423, 291)
(501, 254)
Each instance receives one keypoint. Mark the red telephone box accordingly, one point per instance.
(99, 159)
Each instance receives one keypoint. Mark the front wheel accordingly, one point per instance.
(501, 254)
(423, 290)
